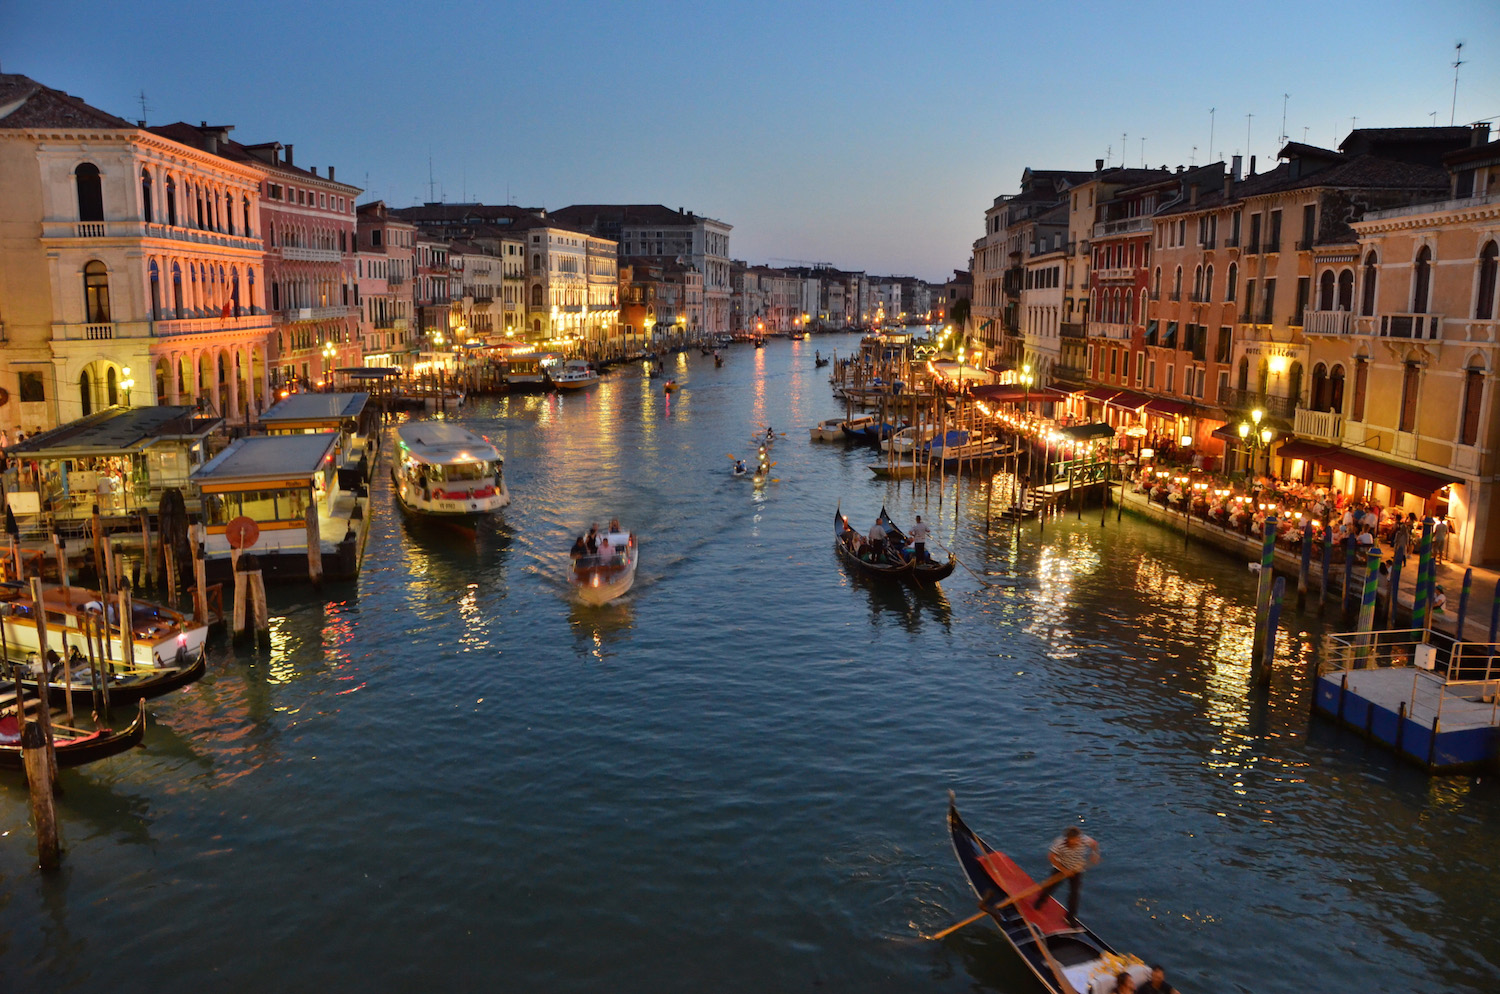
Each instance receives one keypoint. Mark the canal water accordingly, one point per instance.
(447, 777)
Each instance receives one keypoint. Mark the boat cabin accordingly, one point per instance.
(121, 458)
(345, 414)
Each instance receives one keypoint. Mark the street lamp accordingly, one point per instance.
(1026, 379)
(1254, 437)
(329, 353)
(126, 384)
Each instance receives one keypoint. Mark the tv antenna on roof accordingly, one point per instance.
(1284, 98)
(1458, 51)
(142, 98)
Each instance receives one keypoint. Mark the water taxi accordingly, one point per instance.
(158, 636)
(443, 470)
(575, 374)
(600, 578)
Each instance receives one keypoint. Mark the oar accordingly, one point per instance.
(986, 909)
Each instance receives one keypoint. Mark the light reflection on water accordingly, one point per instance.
(742, 763)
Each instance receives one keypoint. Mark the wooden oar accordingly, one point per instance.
(1057, 971)
(986, 909)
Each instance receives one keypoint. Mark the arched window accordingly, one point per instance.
(1177, 284)
(1336, 390)
(536, 295)
(146, 196)
(177, 291)
(536, 326)
(245, 210)
(1484, 303)
(1232, 283)
(1156, 284)
(1244, 380)
(1361, 385)
(229, 213)
(1473, 398)
(86, 393)
(1129, 306)
(1320, 387)
(1346, 290)
(1325, 291)
(171, 201)
(1411, 374)
(234, 290)
(155, 291)
(112, 387)
(1421, 281)
(1208, 284)
(95, 293)
(1367, 290)
(1294, 383)
(1198, 283)
(90, 192)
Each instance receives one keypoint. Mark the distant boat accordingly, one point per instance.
(575, 374)
(832, 430)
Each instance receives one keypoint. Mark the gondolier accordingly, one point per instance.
(1071, 853)
(919, 533)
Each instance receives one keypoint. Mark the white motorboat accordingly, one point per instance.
(900, 469)
(832, 430)
(159, 636)
(907, 439)
(599, 579)
(448, 399)
(575, 374)
(443, 470)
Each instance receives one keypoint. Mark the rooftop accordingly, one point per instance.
(331, 407)
(25, 103)
(269, 457)
(116, 431)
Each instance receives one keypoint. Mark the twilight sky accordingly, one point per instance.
(868, 135)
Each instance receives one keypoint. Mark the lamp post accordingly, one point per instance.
(126, 383)
(1254, 438)
(1026, 379)
(329, 352)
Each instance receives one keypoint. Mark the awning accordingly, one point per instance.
(1000, 367)
(1129, 400)
(1227, 433)
(1009, 393)
(1299, 448)
(1100, 394)
(1403, 478)
(1167, 408)
(1086, 432)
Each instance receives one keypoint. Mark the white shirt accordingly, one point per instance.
(919, 532)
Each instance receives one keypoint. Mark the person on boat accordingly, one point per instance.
(876, 537)
(614, 526)
(1157, 984)
(740, 468)
(579, 550)
(1071, 853)
(1124, 983)
(591, 540)
(919, 534)
(605, 552)
(770, 433)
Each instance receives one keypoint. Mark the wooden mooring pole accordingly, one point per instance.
(1263, 588)
(1261, 674)
(1306, 568)
(37, 755)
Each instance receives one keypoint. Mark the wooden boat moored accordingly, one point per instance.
(158, 635)
(74, 747)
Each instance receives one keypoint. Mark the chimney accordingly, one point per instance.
(314, 170)
(1234, 171)
(330, 174)
(140, 124)
(1252, 164)
(211, 142)
(1179, 169)
(289, 153)
(1193, 194)
(1228, 186)
(1098, 165)
(1480, 135)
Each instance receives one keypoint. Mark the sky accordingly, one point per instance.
(871, 136)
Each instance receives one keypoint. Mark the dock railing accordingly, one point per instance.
(1467, 671)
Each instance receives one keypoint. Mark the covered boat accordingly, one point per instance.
(443, 470)
(1060, 955)
(159, 636)
(907, 439)
(599, 579)
(851, 548)
(575, 374)
(871, 432)
(74, 746)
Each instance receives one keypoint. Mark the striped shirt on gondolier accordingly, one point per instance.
(1071, 859)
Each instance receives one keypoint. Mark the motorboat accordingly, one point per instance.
(901, 469)
(908, 439)
(158, 635)
(443, 470)
(832, 430)
(600, 578)
(574, 374)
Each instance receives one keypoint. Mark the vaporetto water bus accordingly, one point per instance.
(445, 471)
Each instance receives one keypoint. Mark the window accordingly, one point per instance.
(31, 387)
(1273, 239)
(1208, 284)
(1304, 289)
(1114, 362)
(1171, 373)
(95, 293)
(1270, 305)
(1325, 291)
(1484, 304)
(90, 192)
(1421, 281)
(1473, 396)
(536, 295)
(177, 291)
(1140, 367)
(1244, 379)
(1367, 297)
(1198, 283)
(375, 237)
(1125, 368)
(1221, 348)
(1410, 380)
(1223, 393)
(1231, 280)
(1309, 225)
(145, 196)
(1254, 245)
(1151, 374)
(155, 291)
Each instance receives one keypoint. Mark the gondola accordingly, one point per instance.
(928, 572)
(125, 686)
(1042, 937)
(820, 363)
(74, 747)
(886, 567)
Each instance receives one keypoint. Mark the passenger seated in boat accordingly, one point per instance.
(579, 549)
(614, 525)
(591, 541)
(1157, 984)
(606, 553)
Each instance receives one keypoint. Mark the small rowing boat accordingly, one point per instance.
(926, 571)
(74, 746)
(1062, 956)
(859, 557)
(125, 683)
(600, 578)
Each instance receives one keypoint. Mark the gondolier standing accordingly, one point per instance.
(1071, 853)
(919, 533)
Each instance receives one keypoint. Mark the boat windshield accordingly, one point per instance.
(462, 471)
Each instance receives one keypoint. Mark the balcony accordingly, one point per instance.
(484, 298)
(1118, 273)
(140, 229)
(1327, 322)
(1252, 248)
(1176, 295)
(1232, 241)
(1101, 329)
(1248, 400)
(1073, 330)
(1422, 326)
(294, 314)
(92, 332)
(1126, 226)
(210, 326)
(1209, 244)
(1272, 245)
(1327, 425)
(301, 253)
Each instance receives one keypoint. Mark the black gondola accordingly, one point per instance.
(930, 571)
(886, 567)
(137, 684)
(74, 748)
(820, 363)
(1042, 937)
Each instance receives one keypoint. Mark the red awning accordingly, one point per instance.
(1227, 433)
(1402, 478)
(1009, 393)
(1129, 400)
(1301, 449)
(1167, 408)
(1101, 394)
(1000, 367)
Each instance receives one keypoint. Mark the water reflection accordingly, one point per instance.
(600, 632)
(909, 606)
